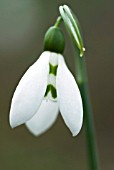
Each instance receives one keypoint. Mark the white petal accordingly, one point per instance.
(44, 118)
(54, 58)
(30, 91)
(69, 98)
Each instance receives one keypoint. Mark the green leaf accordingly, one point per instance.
(72, 25)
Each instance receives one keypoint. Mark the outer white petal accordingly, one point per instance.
(69, 98)
(30, 91)
(44, 118)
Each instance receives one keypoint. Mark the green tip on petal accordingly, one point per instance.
(54, 40)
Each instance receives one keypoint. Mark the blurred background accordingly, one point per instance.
(22, 28)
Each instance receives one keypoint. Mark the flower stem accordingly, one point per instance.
(58, 21)
(88, 114)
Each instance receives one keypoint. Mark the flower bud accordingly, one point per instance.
(54, 40)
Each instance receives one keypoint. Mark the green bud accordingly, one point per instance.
(54, 40)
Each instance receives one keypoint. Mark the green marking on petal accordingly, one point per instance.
(52, 89)
(53, 69)
(47, 90)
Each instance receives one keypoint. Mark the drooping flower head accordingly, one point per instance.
(46, 88)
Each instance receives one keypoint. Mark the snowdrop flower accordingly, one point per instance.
(47, 87)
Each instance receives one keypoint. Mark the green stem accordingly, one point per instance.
(58, 21)
(82, 81)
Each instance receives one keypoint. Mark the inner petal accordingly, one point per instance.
(51, 93)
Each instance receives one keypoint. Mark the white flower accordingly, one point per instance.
(47, 87)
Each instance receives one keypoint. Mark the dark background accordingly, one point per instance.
(23, 24)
